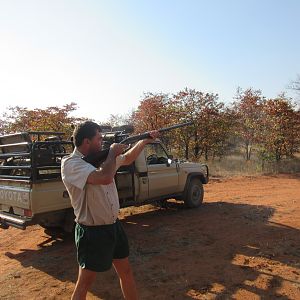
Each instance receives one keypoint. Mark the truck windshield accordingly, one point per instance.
(155, 154)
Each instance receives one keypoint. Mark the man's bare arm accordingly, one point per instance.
(105, 174)
(132, 154)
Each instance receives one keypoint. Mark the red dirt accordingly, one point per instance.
(243, 243)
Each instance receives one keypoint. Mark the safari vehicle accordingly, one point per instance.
(32, 192)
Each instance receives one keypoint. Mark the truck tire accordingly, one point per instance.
(194, 194)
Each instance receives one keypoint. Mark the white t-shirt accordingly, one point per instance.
(93, 204)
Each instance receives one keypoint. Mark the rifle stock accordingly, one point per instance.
(96, 159)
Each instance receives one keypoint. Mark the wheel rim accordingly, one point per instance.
(195, 194)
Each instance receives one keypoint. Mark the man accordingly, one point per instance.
(100, 239)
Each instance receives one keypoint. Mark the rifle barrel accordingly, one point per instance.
(97, 158)
(175, 126)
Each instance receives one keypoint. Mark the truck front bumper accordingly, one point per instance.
(8, 219)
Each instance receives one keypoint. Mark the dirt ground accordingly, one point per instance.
(242, 243)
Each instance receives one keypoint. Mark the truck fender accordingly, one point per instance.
(193, 175)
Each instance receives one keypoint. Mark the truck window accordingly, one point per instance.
(155, 154)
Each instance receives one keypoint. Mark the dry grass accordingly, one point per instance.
(237, 165)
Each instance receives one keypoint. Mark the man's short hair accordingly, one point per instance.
(87, 129)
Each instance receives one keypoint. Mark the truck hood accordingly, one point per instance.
(191, 165)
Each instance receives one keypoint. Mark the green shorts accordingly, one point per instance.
(97, 246)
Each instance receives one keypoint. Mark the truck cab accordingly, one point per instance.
(155, 175)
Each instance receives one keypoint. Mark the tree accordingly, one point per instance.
(221, 129)
(210, 120)
(248, 112)
(295, 85)
(186, 105)
(152, 113)
(52, 118)
(3, 128)
(281, 134)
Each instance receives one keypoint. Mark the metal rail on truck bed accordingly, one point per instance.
(24, 158)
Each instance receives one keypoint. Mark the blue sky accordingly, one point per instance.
(104, 55)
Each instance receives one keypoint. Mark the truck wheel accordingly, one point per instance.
(194, 194)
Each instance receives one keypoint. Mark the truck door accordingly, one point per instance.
(162, 177)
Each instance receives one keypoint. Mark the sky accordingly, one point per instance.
(104, 55)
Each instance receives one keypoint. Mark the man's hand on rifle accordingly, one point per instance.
(133, 153)
(154, 135)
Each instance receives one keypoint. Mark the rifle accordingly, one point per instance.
(96, 159)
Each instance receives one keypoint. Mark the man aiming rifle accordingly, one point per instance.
(88, 174)
(99, 236)
(96, 158)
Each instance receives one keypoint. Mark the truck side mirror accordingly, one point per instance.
(169, 162)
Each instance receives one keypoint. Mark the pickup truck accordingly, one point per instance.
(32, 192)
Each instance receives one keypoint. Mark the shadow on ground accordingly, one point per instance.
(212, 252)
